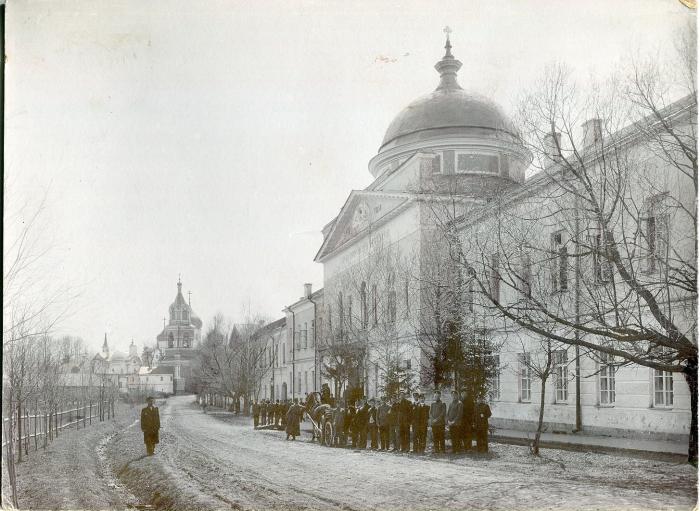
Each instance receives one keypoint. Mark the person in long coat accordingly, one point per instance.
(150, 425)
(483, 412)
(293, 419)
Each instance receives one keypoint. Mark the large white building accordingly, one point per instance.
(454, 153)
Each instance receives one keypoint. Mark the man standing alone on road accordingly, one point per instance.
(150, 424)
(438, 411)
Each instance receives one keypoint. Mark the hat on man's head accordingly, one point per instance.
(150, 398)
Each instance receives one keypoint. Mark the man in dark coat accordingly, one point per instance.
(420, 423)
(383, 423)
(394, 431)
(467, 420)
(405, 413)
(350, 424)
(483, 412)
(263, 413)
(372, 426)
(361, 424)
(339, 426)
(150, 425)
(256, 414)
(454, 419)
(438, 410)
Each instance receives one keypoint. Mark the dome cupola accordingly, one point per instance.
(470, 126)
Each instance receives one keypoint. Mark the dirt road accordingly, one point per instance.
(216, 461)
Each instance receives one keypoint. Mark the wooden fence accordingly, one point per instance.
(36, 428)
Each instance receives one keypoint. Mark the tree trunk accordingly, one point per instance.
(691, 377)
(536, 443)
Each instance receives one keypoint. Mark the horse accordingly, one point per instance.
(315, 409)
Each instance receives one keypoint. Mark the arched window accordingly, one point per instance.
(184, 314)
(171, 340)
(363, 304)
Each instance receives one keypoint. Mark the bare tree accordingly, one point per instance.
(598, 250)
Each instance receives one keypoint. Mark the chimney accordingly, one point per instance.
(592, 132)
(552, 146)
(307, 290)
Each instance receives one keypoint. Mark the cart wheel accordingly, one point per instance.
(328, 433)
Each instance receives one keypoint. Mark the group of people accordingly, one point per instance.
(397, 424)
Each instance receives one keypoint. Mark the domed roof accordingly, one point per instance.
(447, 107)
(118, 355)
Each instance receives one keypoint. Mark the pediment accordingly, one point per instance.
(362, 212)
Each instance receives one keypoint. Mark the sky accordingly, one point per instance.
(213, 140)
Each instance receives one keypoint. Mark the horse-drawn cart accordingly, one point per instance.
(321, 415)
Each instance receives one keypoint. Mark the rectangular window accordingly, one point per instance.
(374, 304)
(525, 276)
(306, 381)
(524, 377)
(284, 353)
(602, 266)
(306, 335)
(487, 163)
(407, 363)
(298, 338)
(561, 375)
(313, 332)
(437, 165)
(606, 379)
(663, 389)
(406, 300)
(560, 263)
(495, 278)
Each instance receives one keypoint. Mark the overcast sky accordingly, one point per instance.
(215, 139)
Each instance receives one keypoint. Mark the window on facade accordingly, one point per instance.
(524, 377)
(407, 302)
(407, 363)
(655, 226)
(298, 338)
(494, 381)
(606, 379)
(363, 305)
(561, 375)
(469, 295)
(171, 340)
(495, 278)
(437, 165)
(392, 305)
(161, 378)
(663, 388)
(277, 355)
(313, 332)
(341, 312)
(299, 381)
(184, 315)
(306, 381)
(525, 286)
(560, 263)
(477, 163)
(284, 353)
(602, 267)
(306, 335)
(374, 304)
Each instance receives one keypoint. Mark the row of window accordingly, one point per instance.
(369, 313)
(655, 236)
(662, 381)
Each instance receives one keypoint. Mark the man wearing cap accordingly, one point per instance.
(150, 424)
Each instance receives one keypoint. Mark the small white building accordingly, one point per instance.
(158, 380)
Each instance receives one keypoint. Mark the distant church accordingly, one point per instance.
(177, 340)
